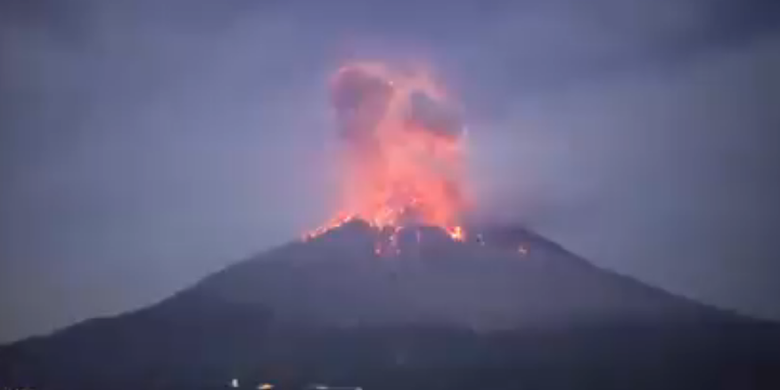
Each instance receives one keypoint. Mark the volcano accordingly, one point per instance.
(504, 310)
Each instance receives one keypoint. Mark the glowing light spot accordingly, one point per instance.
(522, 250)
(456, 233)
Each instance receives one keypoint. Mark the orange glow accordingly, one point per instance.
(456, 233)
(403, 156)
(332, 224)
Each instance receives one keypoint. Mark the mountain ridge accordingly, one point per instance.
(466, 270)
(435, 314)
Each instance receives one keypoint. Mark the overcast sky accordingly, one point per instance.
(146, 144)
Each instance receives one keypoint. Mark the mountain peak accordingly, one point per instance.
(506, 278)
(332, 310)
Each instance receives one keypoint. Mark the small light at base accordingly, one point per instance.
(522, 250)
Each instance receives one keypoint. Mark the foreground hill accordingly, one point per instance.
(509, 311)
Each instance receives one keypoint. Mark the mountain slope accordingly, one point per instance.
(339, 280)
(510, 310)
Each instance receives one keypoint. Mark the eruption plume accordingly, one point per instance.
(403, 150)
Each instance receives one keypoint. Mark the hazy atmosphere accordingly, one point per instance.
(147, 144)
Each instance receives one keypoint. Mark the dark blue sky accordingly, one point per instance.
(145, 145)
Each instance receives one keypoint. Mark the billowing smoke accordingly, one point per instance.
(433, 116)
(403, 148)
(362, 99)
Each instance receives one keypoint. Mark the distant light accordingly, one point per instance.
(265, 386)
(522, 250)
(325, 387)
(234, 383)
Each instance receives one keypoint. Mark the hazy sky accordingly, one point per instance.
(145, 144)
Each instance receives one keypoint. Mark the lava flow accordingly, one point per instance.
(403, 151)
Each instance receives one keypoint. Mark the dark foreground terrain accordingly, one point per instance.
(439, 315)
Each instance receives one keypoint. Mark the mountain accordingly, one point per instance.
(506, 309)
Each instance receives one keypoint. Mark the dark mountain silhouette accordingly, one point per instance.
(506, 310)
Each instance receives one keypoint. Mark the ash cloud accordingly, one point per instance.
(434, 117)
(361, 99)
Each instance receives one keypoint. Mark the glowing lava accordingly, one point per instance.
(403, 150)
